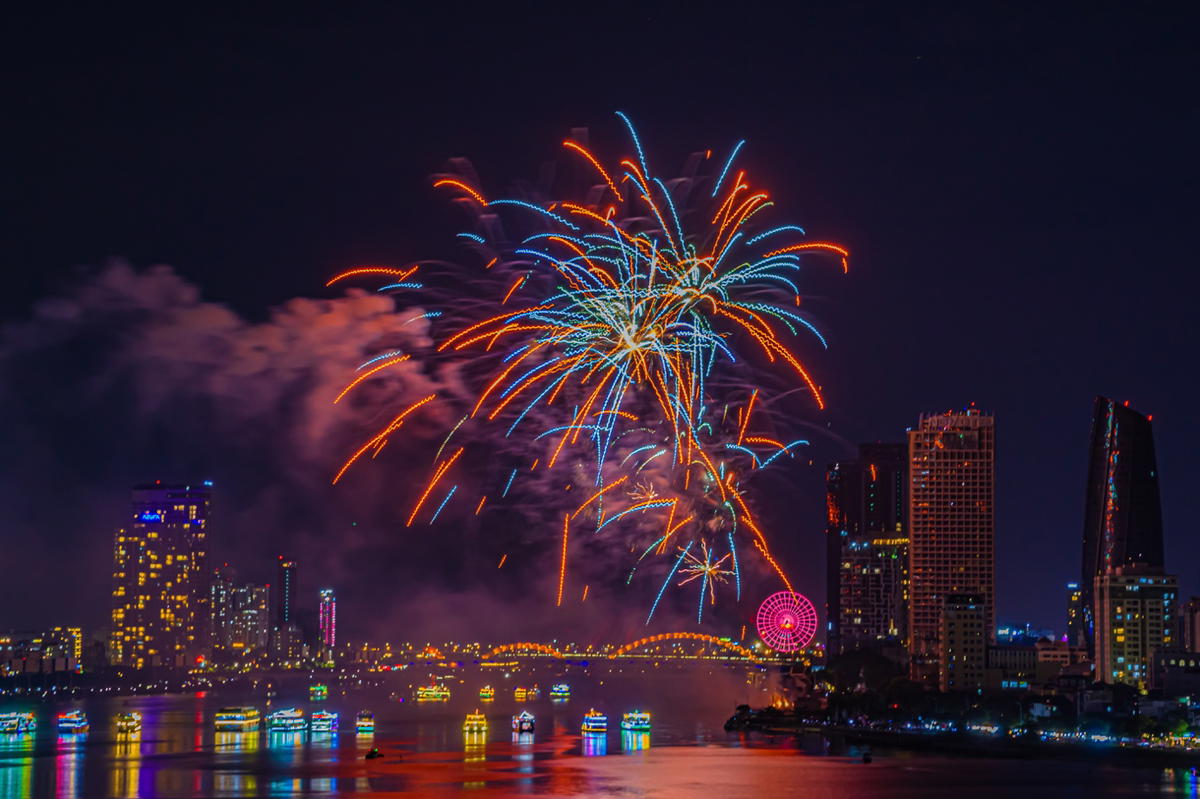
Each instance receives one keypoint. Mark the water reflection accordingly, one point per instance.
(634, 741)
(127, 764)
(68, 766)
(16, 765)
(285, 751)
(595, 744)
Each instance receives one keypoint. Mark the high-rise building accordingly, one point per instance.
(962, 659)
(64, 642)
(1123, 514)
(327, 614)
(1075, 615)
(1191, 625)
(1136, 615)
(221, 607)
(951, 461)
(285, 607)
(867, 549)
(251, 618)
(160, 609)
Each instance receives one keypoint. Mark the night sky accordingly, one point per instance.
(1017, 189)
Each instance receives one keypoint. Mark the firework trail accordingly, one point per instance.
(618, 325)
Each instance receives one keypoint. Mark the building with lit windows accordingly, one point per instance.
(867, 550)
(1191, 624)
(1137, 614)
(951, 462)
(1075, 615)
(251, 618)
(285, 603)
(327, 614)
(963, 642)
(1123, 512)
(160, 600)
(64, 642)
(221, 608)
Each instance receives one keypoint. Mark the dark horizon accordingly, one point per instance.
(1016, 189)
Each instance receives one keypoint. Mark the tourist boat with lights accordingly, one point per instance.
(594, 721)
(475, 722)
(487, 693)
(636, 721)
(522, 722)
(324, 721)
(17, 723)
(364, 721)
(318, 693)
(237, 719)
(533, 693)
(560, 690)
(129, 722)
(288, 719)
(72, 722)
(433, 693)
(520, 694)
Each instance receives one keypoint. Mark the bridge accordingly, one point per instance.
(668, 646)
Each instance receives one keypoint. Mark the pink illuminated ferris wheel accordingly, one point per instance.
(786, 621)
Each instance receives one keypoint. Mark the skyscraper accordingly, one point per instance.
(867, 549)
(1137, 613)
(1123, 515)
(1191, 624)
(252, 618)
(285, 608)
(1075, 617)
(160, 608)
(328, 618)
(963, 642)
(221, 607)
(951, 461)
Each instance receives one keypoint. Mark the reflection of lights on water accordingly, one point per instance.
(595, 744)
(127, 752)
(68, 766)
(16, 779)
(634, 741)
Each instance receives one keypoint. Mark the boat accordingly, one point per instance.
(364, 721)
(487, 693)
(475, 722)
(318, 693)
(636, 721)
(72, 722)
(533, 693)
(594, 721)
(286, 719)
(16, 723)
(237, 719)
(433, 693)
(560, 690)
(324, 721)
(523, 722)
(129, 722)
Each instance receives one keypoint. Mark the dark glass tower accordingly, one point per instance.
(1123, 516)
(867, 549)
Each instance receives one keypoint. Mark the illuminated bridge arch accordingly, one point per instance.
(523, 646)
(708, 639)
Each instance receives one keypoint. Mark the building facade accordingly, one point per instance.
(285, 603)
(327, 618)
(963, 642)
(951, 462)
(867, 549)
(1123, 512)
(1191, 625)
(252, 618)
(1136, 615)
(1075, 616)
(160, 600)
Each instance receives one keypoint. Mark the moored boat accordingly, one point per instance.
(16, 723)
(129, 722)
(72, 722)
(324, 721)
(237, 719)
(594, 721)
(636, 721)
(318, 692)
(288, 719)
(364, 721)
(560, 690)
(475, 722)
(487, 693)
(523, 722)
(433, 693)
